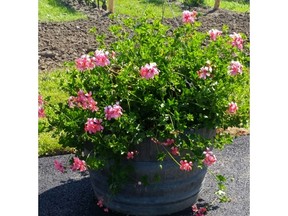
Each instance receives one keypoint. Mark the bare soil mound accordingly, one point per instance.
(63, 42)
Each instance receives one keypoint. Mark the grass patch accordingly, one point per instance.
(240, 6)
(153, 8)
(48, 144)
(48, 86)
(157, 8)
(56, 11)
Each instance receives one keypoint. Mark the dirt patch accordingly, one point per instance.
(63, 42)
(234, 131)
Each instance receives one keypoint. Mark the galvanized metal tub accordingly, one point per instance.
(175, 191)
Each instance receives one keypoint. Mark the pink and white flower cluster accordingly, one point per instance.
(100, 58)
(85, 62)
(83, 100)
(205, 72)
(175, 151)
(210, 158)
(235, 68)
(232, 107)
(114, 111)
(188, 16)
(214, 33)
(77, 165)
(185, 165)
(93, 125)
(149, 71)
(131, 154)
(237, 40)
(168, 142)
(100, 203)
(199, 212)
(41, 111)
(58, 166)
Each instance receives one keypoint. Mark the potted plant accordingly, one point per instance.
(143, 112)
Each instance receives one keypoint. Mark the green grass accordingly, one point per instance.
(55, 11)
(153, 8)
(230, 5)
(48, 144)
(48, 86)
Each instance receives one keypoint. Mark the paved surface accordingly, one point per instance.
(71, 193)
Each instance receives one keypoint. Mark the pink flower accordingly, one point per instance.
(58, 166)
(189, 17)
(210, 158)
(40, 100)
(234, 68)
(41, 111)
(78, 165)
(87, 101)
(208, 151)
(175, 151)
(93, 125)
(100, 203)
(113, 112)
(201, 211)
(84, 63)
(214, 33)
(184, 165)
(205, 71)
(83, 100)
(169, 142)
(130, 155)
(101, 58)
(194, 208)
(232, 107)
(149, 71)
(237, 40)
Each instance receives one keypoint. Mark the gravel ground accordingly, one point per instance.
(71, 193)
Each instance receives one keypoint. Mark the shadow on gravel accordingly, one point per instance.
(76, 198)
